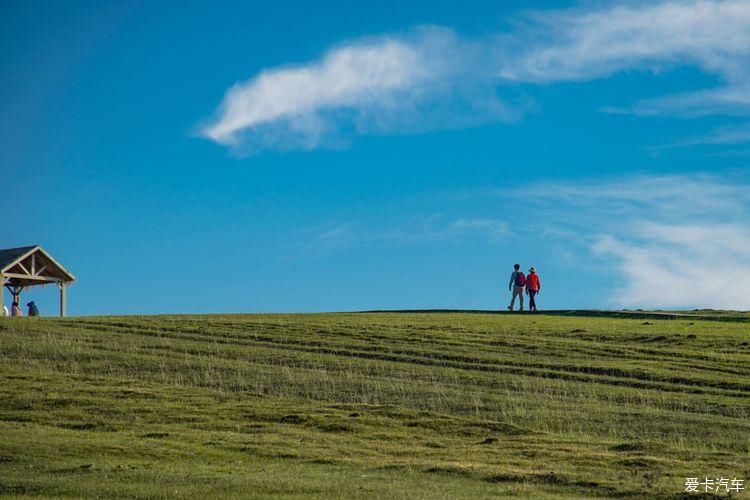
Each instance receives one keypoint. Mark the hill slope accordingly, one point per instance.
(380, 404)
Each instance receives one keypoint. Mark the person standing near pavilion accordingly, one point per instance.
(15, 310)
(33, 309)
(533, 286)
(516, 283)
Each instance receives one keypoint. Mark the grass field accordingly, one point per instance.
(373, 405)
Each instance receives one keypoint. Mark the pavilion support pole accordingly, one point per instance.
(16, 291)
(62, 299)
(2, 288)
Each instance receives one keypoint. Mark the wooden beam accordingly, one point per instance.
(33, 263)
(2, 289)
(62, 299)
(56, 264)
(19, 264)
(41, 270)
(16, 291)
(33, 278)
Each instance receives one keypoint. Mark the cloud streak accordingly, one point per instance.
(578, 45)
(399, 83)
(582, 44)
(728, 134)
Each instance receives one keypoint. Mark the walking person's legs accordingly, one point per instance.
(517, 292)
(532, 302)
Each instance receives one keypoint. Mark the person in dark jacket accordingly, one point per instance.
(15, 310)
(33, 309)
(516, 283)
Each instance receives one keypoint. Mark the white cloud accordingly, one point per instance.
(399, 83)
(682, 265)
(732, 100)
(638, 225)
(578, 44)
(582, 44)
(728, 134)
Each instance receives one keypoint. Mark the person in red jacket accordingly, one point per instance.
(533, 286)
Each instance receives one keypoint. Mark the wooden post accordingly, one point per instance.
(62, 299)
(16, 292)
(2, 288)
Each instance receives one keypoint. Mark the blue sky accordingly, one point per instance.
(328, 156)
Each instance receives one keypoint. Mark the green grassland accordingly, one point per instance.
(398, 405)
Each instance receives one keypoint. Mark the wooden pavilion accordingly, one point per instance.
(25, 267)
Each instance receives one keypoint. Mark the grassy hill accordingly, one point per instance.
(377, 404)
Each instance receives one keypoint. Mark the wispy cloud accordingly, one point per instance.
(428, 78)
(731, 100)
(638, 225)
(728, 134)
(585, 44)
(582, 44)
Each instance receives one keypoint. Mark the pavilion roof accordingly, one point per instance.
(9, 256)
(31, 265)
